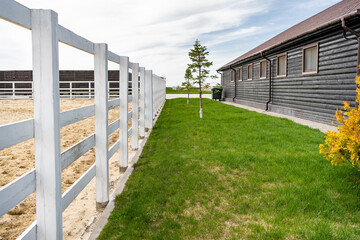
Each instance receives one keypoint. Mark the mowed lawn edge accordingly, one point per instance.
(235, 174)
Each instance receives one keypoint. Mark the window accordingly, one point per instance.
(232, 75)
(240, 74)
(263, 69)
(281, 65)
(310, 59)
(249, 72)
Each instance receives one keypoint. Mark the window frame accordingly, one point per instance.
(252, 71)
(260, 77)
(240, 76)
(232, 75)
(317, 58)
(277, 64)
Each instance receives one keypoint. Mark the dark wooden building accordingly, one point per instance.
(307, 71)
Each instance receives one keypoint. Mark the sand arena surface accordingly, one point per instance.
(19, 159)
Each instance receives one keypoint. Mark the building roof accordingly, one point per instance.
(331, 15)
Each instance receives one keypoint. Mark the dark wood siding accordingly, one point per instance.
(315, 96)
(228, 86)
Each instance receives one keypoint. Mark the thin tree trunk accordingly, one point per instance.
(188, 95)
(201, 110)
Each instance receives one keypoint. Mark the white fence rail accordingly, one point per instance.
(45, 179)
(68, 89)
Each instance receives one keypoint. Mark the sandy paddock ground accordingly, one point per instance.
(18, 159)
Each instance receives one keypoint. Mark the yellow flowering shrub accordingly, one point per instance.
(343, 146)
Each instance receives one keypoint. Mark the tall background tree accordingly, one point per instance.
(200, 66)
(187, 84)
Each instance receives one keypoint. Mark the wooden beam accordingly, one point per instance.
(123, 130)
(77, 187)
(16, 13)
(16, 133)
(101, 124)
(16, 191)
(77, 150)
(142, 102)
(135, 106)
(46, 122)
(148, 100)
(76, 115)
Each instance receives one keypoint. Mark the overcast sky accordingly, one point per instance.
(159, 33)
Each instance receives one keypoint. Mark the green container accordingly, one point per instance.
(216, 93)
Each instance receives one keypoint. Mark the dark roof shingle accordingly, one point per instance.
(328, 16)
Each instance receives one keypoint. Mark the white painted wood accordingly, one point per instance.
(14, 192)
(72, 39)
(148, 99)
(129, 116)
(154, 95)
(113, 103)
(142, 102)
(15, 133)
(29, 233)
(155, 81)
(129, 133)
(77, 150)
(16, 13)
(46, 122)
(101, 123)
(75, 115)
(113, 57)
(70, 194)
(123, 130)
(13, 90)
(113, 126)
(89, 90)
(114, 148)
(135, 106)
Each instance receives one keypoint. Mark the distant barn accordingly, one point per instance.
(306, 71)
(81, 80)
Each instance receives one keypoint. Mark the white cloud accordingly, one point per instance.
(157, 33)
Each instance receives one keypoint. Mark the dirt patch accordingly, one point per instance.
(18, 159)
(196, 211)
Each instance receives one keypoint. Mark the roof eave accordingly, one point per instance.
(349, 15)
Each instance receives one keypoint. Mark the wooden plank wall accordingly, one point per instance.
(314, 97)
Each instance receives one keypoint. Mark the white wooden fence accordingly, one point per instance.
(12, 90)
(45, 179)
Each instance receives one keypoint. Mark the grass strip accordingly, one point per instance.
(235, 174)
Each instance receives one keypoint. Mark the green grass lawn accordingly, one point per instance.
(234, 174)
(184, 91)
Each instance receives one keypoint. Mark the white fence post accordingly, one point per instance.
(156, 93)
(89, 86)
(13, 90)
(148, 100)
(123, 130)
(47, 129)
(153, 94)
(135, 106)
(101, 124)
(142, 102)
(70, 90)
